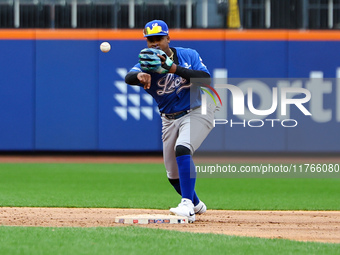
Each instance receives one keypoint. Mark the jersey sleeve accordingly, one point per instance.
(131, 76)
(136, 68)
(197, 62)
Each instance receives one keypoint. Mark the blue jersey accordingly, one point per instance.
(172, 92)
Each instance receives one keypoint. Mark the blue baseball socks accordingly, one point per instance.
(187, 178)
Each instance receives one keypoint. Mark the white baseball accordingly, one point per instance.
(105, 47)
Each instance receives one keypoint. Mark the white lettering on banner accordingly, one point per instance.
(286, 84)
(256, 123)
(296, 101)
(262, 112)
(238, 100)
(307, 95)
(123, 97)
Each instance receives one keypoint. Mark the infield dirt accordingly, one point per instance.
(317, 226)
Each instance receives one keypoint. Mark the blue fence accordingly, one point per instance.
(67, 95)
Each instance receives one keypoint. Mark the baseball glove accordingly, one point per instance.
(150, 62)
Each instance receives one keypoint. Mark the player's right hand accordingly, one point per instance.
(145, 79)
(166, 61)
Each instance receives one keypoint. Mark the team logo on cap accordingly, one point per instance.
(154, 30)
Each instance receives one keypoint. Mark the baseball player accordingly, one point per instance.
(165, 73)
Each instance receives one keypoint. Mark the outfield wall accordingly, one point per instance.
(59, 92)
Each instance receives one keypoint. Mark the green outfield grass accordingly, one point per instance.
(137, 240)
(146, 186)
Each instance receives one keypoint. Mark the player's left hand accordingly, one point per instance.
(150, 61)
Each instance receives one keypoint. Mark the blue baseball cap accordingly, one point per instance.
(155, 27)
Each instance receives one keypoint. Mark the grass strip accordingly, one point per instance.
(146, 186)
(137, 240)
